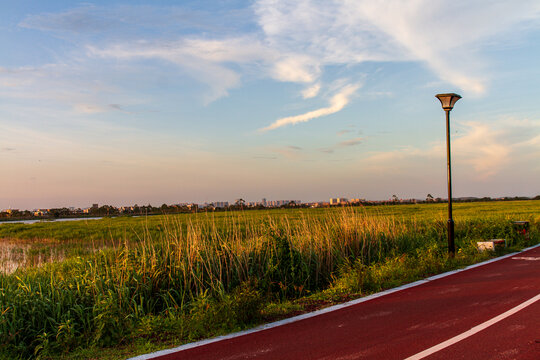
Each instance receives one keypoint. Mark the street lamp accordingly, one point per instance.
(447, 102)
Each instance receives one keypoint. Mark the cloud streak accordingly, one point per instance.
(127, 20)
(337, 103)
(483, 150)
(343, 132)
(295, 41)
(311, 91)
(351, 142)
(203, 59)
(290, 152)
(352, 32)
(342, 144)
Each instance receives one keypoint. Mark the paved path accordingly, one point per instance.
(486, 312)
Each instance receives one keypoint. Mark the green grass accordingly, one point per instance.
(165, 280)
(121, 228)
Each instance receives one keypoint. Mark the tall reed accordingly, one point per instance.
(101, 298)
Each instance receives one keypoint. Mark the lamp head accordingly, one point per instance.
(448, 100)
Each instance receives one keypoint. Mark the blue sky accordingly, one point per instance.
(192, 101)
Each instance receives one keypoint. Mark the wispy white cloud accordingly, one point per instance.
(311, 91)
(351, 142)
(79, 20)
(298, 39)
(125, 32)
(343, 132)
(342, 144)
(127, 20)
(290, 152)
(483, 150)
(293, 41)
(70, 83)
(265, 157)
(337, 102)
(89, 108)
(350, 32)
(82, 108)
(327, 150)
(215, 61)
(491, 148)
(203, 59)
(296, 68)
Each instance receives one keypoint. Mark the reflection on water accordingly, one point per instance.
(15, 255)
(51, 220)
(11, 256)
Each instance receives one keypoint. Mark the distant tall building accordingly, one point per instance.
(337, 201)
(278, 203)
(221, 204)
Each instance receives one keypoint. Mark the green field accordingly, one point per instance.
(121, 286)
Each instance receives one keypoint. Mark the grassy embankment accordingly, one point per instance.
(135, 285)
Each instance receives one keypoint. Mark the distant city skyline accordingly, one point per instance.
(269, 203)
(198, 101)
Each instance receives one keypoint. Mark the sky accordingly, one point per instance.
(152, 102)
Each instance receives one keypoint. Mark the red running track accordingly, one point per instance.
(404, 323)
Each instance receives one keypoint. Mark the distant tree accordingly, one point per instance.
(395, 198)
(184, 209)
(429, 198)
(240, 202)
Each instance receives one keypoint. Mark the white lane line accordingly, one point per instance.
(474, 330)
(528, 258)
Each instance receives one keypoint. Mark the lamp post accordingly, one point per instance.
(447, 102)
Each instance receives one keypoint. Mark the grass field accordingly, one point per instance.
(121, 286)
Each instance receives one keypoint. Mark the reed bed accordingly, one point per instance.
(200, 275)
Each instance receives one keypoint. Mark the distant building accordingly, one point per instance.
(221, 204)
(338, 201)
(192, 206)
(278, 203)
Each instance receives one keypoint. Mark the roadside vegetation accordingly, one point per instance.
(131, 285)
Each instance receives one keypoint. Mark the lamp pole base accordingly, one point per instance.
(451, 244)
